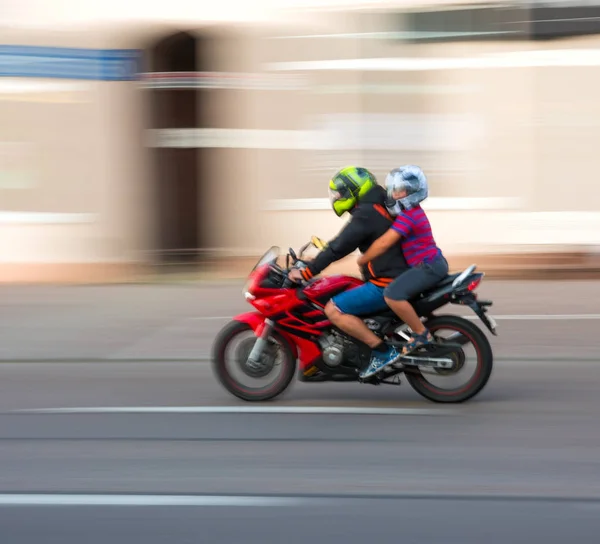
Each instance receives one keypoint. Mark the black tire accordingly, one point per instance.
(485, 359)
(225, 336)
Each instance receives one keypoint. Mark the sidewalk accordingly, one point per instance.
(554, 264)
(559, 263)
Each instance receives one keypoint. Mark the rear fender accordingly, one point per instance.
(448, 294)
(479, 307)
(256, 321)
(467, 285)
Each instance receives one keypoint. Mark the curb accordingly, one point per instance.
(508, 274)
(529, 262)
(218, 278)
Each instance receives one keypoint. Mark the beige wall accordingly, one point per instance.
(524, 133)
(84, 155)
(506, 143)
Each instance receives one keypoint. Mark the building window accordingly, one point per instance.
(496, 22)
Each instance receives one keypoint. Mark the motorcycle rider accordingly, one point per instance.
(355, 190)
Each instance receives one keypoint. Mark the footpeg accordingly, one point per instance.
(394, 381)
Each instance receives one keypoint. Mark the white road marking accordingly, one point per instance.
(142, 500)
(347, 410)
(505, 317)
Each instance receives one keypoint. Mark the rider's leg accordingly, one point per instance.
(342, 311)
(345, 307)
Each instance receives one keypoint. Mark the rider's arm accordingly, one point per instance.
(342, 245)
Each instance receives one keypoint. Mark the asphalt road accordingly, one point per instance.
(160, 459)
(334, 521)
(519, 462)
(176, 322)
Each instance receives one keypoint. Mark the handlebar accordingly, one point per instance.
(297, 263)
(287, 283)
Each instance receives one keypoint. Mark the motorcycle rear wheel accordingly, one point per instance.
(485, 358)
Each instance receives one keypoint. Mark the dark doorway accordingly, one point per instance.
(176, 168)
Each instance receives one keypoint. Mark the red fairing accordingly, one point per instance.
(304, 350)
(253, 319)
(328, 284)
(309, 352)
(283, 302)
(256, 321)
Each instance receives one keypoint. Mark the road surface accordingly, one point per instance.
(174, 322)
(156, 451)
(518, 463)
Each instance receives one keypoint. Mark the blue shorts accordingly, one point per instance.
(363, 300)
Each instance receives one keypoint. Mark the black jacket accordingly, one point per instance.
(369, 221)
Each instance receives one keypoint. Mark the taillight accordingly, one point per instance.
(473, 285)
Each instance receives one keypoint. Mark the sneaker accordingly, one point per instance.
(380, 360)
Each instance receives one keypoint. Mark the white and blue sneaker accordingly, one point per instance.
(379, 360)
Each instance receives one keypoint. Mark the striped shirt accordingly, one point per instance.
(418, 244)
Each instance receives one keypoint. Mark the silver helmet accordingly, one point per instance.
(407, 178)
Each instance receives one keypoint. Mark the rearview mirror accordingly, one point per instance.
(318, 243)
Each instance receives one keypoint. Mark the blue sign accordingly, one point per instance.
(70, 63)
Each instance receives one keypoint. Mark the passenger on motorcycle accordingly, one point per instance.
(355, 190)
(407, 188)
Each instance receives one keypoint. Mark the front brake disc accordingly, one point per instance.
(258, 369)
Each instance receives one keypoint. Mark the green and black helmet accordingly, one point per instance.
(348, 186)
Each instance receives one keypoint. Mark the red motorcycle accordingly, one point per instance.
(289, 330)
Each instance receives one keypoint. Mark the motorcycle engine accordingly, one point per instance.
(333, 348)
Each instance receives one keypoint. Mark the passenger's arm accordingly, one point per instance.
(380, 246)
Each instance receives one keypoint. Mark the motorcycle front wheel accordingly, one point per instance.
(255, 382)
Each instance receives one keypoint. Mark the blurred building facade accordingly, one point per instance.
(147, 143)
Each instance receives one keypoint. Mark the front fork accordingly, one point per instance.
(261, 342)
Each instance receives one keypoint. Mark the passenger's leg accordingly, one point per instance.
(407, 286)
(343, 309)
(402, 289)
